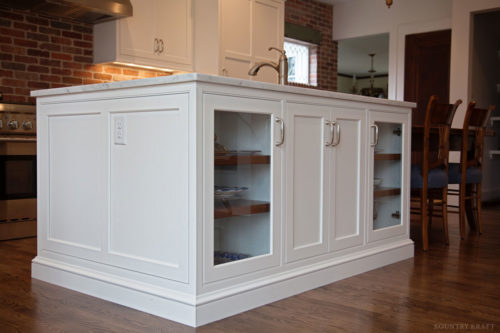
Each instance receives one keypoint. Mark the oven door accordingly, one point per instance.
(17, 177)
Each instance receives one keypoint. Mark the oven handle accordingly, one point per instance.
(14, 139)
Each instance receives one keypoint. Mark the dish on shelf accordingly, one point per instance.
(223, 257)
(377, 182)
(225, 192)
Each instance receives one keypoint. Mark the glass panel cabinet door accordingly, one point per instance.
(387, 174)
(242, 186)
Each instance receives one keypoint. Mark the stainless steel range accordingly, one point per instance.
(17, 171)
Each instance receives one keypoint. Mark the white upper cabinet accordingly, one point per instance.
(247, 29)
(159, 34)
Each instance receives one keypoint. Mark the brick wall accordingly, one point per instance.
(40, 52)
(317, 16)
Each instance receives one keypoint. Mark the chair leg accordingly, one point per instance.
(423, 217)
(470, 211)
(445, 215)
(461, 210)
(431, 212)
(478, 208)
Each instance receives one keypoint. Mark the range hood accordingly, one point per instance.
(90, 11)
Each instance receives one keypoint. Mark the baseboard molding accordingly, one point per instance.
(221, 304)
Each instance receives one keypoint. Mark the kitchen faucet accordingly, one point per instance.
(281, 67)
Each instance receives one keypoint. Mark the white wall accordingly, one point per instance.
(356, 18)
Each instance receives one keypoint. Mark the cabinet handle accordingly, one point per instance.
(375, 127)
(330, 126)
(337, 129)
(224, 72)
(162, 46)
(156, 46)
(282, 129)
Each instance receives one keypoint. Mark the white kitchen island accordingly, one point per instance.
(138, 205)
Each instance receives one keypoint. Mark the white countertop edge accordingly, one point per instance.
(189, 77)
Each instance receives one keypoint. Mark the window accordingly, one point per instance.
(300, 67)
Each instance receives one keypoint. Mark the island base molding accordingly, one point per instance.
(222, 303)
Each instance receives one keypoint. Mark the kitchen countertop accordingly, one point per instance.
(183, 78)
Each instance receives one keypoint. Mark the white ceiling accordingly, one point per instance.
(353, 58)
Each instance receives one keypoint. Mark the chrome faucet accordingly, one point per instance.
(281, 67)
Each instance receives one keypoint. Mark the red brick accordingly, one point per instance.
(72, 80)
(50, 47)
(70, 34)
(102, 76)
(59, 85)
(22, 91)
(146, 74)
(83, 59)
(26, 76)
(37, 36)
(48, 62)
(61, 56)
(60, 25)
(12, 32)
(80, 43)
(12, 49)
(49, 31)
(11, 15)
(38, 69)
(25, 59)
(38, 85)
(83, 74)
(93, 68)
(88, 37)
(5, 23)
(13, 65)
(87, 52)
(14, 98)
(5, 40)
(26, 27)
(4, 73)
(112, 70)
(59, 71)
(25, 42)
(50, 78)
(73, 65)
(83, 29)
(60, 40)
(130, 72)
(5, 56)
(72, 50)
(37, 20)
(13, 82)
(6, 89)
(38, 53)
(89, 81)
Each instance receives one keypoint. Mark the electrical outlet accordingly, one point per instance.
(120, 130)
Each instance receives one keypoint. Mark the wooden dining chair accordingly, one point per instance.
(429, 178)
(468, 173)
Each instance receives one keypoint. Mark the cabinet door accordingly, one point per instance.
(242, 196)
(173, 29)
(348, 160)
(137, 33)
(388, 175)
(306, 180)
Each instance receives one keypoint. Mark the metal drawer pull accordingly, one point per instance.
(375, 127)
(282, 129)
(337, 129)
(328, 143)
(156, 46)
(162, 46)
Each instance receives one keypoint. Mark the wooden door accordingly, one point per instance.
(427, 69)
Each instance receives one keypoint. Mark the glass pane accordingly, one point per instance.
(387, 176)
(298, 62)
(242, 179)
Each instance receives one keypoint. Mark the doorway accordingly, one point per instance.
(427, 69)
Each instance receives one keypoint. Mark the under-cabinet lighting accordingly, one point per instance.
(144, 67)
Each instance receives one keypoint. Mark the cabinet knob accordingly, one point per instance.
(12, 124)
(156, 46)
(27, 125)
(162, 46)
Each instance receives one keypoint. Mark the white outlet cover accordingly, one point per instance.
(120, 130)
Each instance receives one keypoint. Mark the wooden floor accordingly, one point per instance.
(436, 291)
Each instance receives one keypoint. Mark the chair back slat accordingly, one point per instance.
(475, 123)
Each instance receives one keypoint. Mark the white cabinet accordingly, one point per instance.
(247, 29)
(388, 175)
(242, 185)
(158, 34)
(325, 200)
(219, 195)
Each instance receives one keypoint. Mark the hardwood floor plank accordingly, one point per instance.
(448, 285)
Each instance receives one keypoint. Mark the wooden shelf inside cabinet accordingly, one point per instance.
(387, 157)
(223, 159)
(379, 192)
(240, 207)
